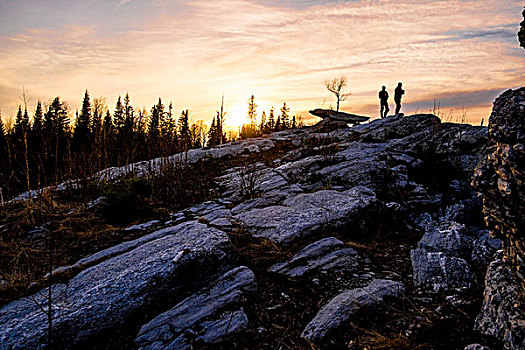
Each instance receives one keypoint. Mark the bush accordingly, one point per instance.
(126, 199)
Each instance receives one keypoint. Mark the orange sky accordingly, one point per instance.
(459, 52)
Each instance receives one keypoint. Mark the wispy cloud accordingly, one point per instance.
(191, 52)
(123, 2)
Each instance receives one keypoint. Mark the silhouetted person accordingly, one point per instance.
(398, 93)
(383, 97)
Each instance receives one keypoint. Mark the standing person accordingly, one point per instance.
(398, 93)
(383, 97)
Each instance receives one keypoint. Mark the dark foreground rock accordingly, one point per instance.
(204, 317)
(500, 315)
(111, 294)
(500, 178)
(341, 309)
(396, 190)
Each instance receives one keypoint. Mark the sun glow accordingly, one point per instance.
(237, 115)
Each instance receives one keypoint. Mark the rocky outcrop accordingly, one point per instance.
(500, 178)
(180, 283)
(500, 314)
(204, 317)
(116, 291)
(341, 309)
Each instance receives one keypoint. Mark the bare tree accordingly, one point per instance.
(337, 86)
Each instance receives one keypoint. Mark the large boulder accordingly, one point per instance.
(116, 292)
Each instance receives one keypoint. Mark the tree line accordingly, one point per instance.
(267, 124)
(48, 149)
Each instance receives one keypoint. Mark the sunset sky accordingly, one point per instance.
(459, 52)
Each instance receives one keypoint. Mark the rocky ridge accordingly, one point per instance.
(317, 212)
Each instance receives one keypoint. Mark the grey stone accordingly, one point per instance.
(305, 214)
(476, 347)
(108, 295)
(501, 313)
(217, 214)
(484, 248)
(196, 311)
(342, 308)
(438, 271)
(398, 128)
(450, 238)
(142, 227)
(328, 254)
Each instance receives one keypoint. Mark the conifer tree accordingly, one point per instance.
(262, 126)
(184, 130)
(157, 113)
(212, 141)
(278, 126)
(21, 125)
(271, 120)
(221, 117)
(36, 142)
(38, 122)
(285, 118)
(57, 124)
(81, 134)
(108, 122)
(118, 116)
(129, 119)
(4, 160)
(252, 111)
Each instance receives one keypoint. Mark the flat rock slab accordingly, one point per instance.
(328, 254)
(118, 290)
(341, 309)
(304, 214)
(203, 316)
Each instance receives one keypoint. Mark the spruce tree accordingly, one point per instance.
(38, 121)
(278, 126)
(263, 122)
(252, 111)
(184, 130)
(285, 118)
(56, 124)
(212, 134)
(36, 143)
(129, 119)
(118, 116)
(81, 134)
(271, 120)
(157, 113)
